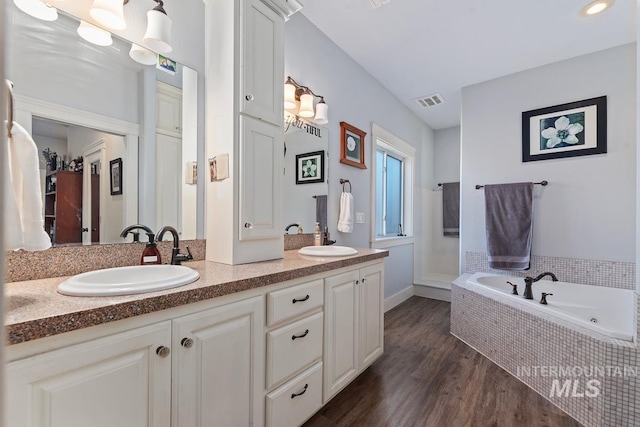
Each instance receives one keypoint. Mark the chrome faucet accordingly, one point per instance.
(286, 229)
(136, 234)
(528, 281)
(176, 256)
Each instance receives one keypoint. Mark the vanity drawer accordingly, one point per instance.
(295, 300)
(293, 347)
(297, 400)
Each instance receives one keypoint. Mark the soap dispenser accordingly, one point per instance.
(317, 236)
(151, 254)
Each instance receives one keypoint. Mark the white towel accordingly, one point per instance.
(345, 220)
(23, 221)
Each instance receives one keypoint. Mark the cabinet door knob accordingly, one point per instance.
(163, 351)
(186, 342)
(295, 300)
(304, 390)
(357, 282)
(364, 280)
(249, 97)
(293, 337)
(248, 225)
(84, 230)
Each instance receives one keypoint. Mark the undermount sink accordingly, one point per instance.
(327, 251)
(128, 280)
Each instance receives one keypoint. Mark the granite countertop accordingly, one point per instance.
(35, 309)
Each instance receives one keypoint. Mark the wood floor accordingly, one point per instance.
(427, 377)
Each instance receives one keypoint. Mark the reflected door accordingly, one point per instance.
(94, 159)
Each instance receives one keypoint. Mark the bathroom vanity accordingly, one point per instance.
(248, 345)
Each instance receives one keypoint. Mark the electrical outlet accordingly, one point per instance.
(359, 217)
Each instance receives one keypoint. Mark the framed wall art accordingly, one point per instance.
(352, 145)
(567, 130)
(310, 167)
(115, 172)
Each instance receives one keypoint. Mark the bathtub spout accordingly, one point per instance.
(528, 281)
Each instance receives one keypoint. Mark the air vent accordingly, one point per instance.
(378, 3)
(430, 101)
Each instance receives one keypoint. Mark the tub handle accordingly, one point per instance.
(543, 300)
(515, 288)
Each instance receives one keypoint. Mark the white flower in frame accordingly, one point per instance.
(309, 168)
(564, 131)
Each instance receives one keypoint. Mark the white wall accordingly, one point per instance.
(354, 96)
(443, 255)
(588, 209)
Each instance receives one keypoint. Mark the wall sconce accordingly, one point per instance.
(298, 101)
(157, 37)
(37, 9)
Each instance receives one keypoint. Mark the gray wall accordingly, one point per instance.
(588, 209)
(354, 96)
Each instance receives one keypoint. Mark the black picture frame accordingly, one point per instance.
(567, 130)
(115, 174)
(310, 167)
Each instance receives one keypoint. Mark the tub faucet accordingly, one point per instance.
(176, 256)
(528, 281)
(136, 234)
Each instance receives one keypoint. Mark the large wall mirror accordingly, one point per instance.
(135, 126)
(302, 182)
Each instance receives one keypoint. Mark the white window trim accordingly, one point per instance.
(389, 142)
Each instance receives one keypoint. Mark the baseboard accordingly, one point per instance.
(398, 298)
(432, 292)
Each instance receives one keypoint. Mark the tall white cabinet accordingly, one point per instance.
(245, 71)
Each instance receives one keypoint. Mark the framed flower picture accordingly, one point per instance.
(310, 167)
(115, 169)
(567, 130)
(352, 145)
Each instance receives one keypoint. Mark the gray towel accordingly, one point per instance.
(451, 209)
(321, 211)
(509, 222)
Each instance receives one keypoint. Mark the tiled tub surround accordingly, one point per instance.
(70, 260)
(584, 271)
(531, 346)
(35, 310)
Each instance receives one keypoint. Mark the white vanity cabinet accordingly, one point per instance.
(121, 380)
(218, 366)
(354, 330)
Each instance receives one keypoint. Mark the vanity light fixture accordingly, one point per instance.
(95, 35)
(298, 101)
(143, 55)
(596, 7)
(37, 9)
(109, 13)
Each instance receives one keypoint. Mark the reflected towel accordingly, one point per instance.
(22, 213)
(509, 222)
(451, 209)
(321, 211)
(345, 220)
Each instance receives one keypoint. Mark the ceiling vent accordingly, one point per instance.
(378, 3)
(430, 101)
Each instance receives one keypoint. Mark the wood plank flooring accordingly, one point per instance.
(429, 378)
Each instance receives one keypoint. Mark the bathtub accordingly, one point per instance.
(604, 310)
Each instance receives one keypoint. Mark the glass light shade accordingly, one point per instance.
(306, 105)
(109, 13)
(158, 34)
(94, 35)
(142, 55)
(596, 7)
(321, 117)
(37, 9)
(289, 96)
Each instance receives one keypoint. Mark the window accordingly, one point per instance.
(393, 197)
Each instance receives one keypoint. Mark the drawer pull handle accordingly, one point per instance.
(300, 300)
(304, 390)
(293, 337)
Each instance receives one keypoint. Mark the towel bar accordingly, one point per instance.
(343, 182)
(543, 183)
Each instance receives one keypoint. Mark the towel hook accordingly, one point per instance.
(9, 106)
(343, 182)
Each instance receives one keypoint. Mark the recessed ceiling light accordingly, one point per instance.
(596, 7)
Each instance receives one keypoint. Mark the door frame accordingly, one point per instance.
(94, 152)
